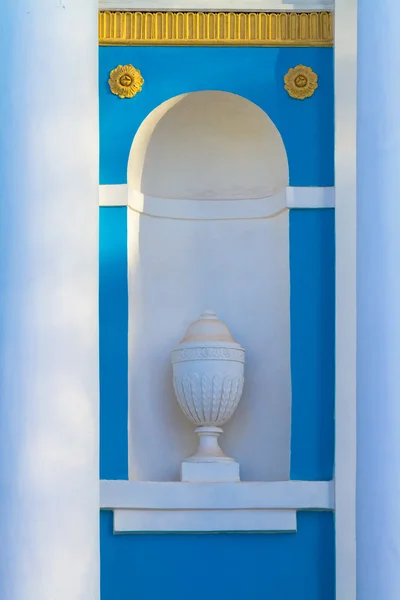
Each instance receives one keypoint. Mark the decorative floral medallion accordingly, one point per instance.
(125, 81)
(301, 82)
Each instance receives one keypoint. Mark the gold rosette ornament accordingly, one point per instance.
(301, 82)
(125, 81)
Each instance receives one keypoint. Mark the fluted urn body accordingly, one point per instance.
(208, 371)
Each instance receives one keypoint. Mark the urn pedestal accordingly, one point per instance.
(208, 371)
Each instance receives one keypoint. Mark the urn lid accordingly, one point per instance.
(208, 328)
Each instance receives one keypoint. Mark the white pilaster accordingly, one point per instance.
(345, 53)
(48, 301)
(378, 302)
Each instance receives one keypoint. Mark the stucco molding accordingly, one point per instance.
(208, 353)
(292, 197)
(130, 28)
(216, 5)
(179, 507)
(310, 197)
(171, 208)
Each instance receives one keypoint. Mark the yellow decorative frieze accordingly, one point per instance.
(215, 29)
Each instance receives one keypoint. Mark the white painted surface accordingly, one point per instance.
(227, 149)
(210, 471)
(378, 303)
(310, 197)
(113, 195)
(146, 506)
(300, 495)
(345, 223)
(211, 5)
(136, 521)
(49, 492)
(295, 197)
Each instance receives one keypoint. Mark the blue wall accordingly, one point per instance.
(255, 73)
(312, 334)
(285, 566)
(113, 309)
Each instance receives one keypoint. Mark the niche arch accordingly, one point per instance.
(211, 158)
(213, 169)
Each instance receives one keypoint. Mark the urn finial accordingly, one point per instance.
(208, 328)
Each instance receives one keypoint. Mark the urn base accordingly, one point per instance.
(210, 472)
(209, 464)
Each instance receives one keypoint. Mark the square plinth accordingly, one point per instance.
(210, 472)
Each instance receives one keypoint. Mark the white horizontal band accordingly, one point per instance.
(166, 506)
(293, 197)
(198, 210)
(217, 5)
(113, 195)
(302, 495)
(310, 197)
(140, 521)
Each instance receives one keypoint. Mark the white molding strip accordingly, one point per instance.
(296, 197)
(218, 5)
(310, 197)
(301, 495)
(201, 521)
(209, 210)
(174, 506)
(113, 195)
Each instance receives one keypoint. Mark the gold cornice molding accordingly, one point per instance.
(215, 29)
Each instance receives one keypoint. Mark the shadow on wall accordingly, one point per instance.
(215, 165)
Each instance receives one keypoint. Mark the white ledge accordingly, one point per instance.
(204, 521)
(300, 495)
(260, 506)
(292, 197)
(216, 5)
(310, 197)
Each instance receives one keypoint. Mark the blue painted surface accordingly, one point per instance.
(312, 302)
(239, 567)
(255, 73)
(113, 344)
(285, 566)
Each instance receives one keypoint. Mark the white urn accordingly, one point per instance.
(208, 371)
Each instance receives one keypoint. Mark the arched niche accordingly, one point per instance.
(196, 147)
(208, 228)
